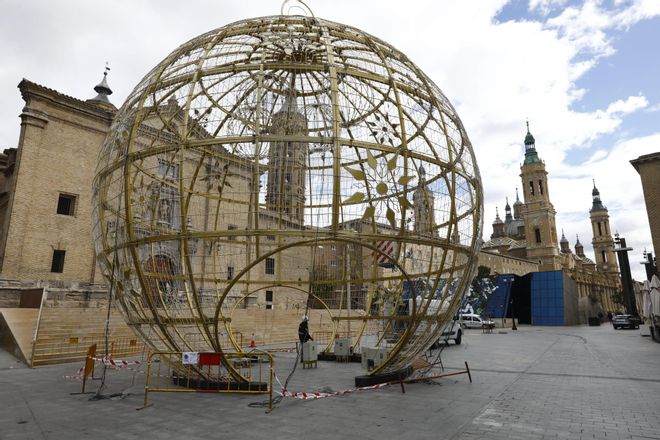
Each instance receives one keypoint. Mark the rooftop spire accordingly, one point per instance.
(579, 249)
(498, 220)
(517, 207)
(597, 204)
(530, 148)
(565, 248)
(102, 89)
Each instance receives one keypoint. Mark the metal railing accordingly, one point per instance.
(62, 349)
(208, 373)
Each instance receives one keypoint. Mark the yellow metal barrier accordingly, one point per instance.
(208, 373)
(62, 349)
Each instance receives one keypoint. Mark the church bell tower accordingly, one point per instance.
(537, 211)
(602, 242)
(285, 191)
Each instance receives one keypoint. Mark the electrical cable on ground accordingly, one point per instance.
(106, 336)
(276, 400)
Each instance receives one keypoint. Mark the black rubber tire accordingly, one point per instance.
(459, 337)
(616, 327)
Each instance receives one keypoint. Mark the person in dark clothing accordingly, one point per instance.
(303, 334)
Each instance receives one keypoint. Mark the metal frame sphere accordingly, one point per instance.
(287, 166)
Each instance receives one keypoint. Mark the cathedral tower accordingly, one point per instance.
(602, 241)
(537, 211)
(285, 191)
(564, 245)
(498, 226)
(423, 204)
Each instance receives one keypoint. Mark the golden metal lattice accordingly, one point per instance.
(286, 165)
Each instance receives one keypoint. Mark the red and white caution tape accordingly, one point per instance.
(320, 395)
(78, 375)
(119, 363)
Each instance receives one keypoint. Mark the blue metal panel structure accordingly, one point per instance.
(548, 298)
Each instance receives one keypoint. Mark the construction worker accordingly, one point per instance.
(303, 334)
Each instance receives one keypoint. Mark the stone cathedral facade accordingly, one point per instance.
(530, 233)
(45, 209)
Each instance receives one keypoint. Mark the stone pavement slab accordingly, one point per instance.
(537, 383)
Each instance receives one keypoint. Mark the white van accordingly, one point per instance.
(472, 320)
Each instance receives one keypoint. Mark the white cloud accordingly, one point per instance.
(545, 6)
(632, 104)
(620, 189)
(652, 108)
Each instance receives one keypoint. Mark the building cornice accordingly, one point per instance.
(30, 90)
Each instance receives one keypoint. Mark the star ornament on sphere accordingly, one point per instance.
(379, 177)
(383, 130)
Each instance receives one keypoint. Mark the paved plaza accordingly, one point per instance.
(537, 383)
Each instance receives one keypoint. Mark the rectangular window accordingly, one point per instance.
(540, 186)
(602, 254)
(269, 295)
(168, 169)
(66, 204)
(600, 230)
(270, 266)
(230, 272)
(531, 187)
(57, 264)
(537, 233)
(231, 228)
(269, 306)
(270, 237)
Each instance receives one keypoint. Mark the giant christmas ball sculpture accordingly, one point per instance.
(287, 166)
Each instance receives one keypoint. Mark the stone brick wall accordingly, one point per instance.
(648, 167)
(58, 293)
(59, 143)
(504, 264)
(10, 298)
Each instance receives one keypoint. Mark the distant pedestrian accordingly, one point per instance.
(609, 316)
(303, 334)
(600, 316)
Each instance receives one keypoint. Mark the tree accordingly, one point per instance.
(481, 287)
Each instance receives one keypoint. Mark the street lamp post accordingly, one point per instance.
(513, 317)
(626, 278)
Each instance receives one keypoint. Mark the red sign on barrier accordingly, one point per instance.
(210, 358)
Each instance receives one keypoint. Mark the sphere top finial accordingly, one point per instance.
(295, 4)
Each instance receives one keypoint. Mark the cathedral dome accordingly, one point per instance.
(512, 228)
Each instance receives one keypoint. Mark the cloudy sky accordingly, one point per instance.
(585, 73)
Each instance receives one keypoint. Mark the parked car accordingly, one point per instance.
(628, 321)
(471, 320)
(452, 332)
